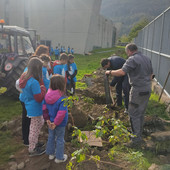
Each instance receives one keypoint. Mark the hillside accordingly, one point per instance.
(125, 13)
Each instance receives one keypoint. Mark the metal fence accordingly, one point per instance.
(154, 41)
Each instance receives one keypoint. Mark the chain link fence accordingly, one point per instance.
(154, 41)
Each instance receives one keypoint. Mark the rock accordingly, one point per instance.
(161, 136)
(12, 157)
(154, 167)
(13, 165)
(4, 126)
(165, 167)
(168, 109)
(17, 131)
(163, 159)
(21, 165)
(11, 124)
(27, 160)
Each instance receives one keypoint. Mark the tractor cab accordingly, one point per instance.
(15, 48)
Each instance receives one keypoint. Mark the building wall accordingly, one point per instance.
(74, 23)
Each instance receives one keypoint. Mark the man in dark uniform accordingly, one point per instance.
(139, 70)
(122, 83)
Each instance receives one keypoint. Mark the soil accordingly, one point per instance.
(83, 112)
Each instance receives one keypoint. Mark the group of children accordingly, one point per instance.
(57, 51)
(43, 87)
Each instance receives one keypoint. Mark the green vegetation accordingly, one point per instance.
(113, 134)
(128, 12)
(10, 108)
(156, 108)
(134, 30)
(3, 90)
(7, 146)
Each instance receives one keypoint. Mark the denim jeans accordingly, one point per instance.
(55, 144)
(124, 85)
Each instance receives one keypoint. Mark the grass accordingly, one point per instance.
(7, 146)
(156, 108)
(9, 108)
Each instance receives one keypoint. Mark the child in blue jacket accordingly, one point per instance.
(56, 115)
(71, 72)
(34, 92)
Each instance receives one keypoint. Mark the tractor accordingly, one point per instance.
(15, 48)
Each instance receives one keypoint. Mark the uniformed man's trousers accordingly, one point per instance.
(138, 101)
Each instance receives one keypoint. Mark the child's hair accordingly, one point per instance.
(33, 56)
(57, 82)
(63, 56)
(70, 56)
(45, 57)
(34, 69)
(41, 49)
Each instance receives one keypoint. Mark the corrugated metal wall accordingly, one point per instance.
(154, 41)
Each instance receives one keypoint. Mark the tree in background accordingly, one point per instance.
(134, 31)
(137, 27)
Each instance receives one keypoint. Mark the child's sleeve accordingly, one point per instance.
(17, 86)
(45, 112)
(60, 114)
(38, 91)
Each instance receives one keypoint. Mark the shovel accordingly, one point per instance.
(109, 97)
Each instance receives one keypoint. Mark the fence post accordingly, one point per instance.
(152, 39)
(160, 47)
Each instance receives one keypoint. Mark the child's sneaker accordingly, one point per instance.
(59, 161)
(37, 151)
(40, 144)
(51, 157)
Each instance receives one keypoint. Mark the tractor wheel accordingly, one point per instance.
(10, 81)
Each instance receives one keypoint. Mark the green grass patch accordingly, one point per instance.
(156, 108)
(80, 85)
(136, 157)
(9, 107)
(7, 146)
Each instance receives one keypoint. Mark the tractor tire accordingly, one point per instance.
(109, 100)
(10, 81)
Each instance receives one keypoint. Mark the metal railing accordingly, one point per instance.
(154, 41)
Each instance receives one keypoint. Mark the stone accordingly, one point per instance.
(92, 140)
(161, 136)
(21, 165)
(27, 160)
(154, 167)
(11, 124)
(165, 167)
(4, 126)
(163, 159)
(13, 165)
(12, 157)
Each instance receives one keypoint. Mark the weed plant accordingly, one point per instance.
(156, 108)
